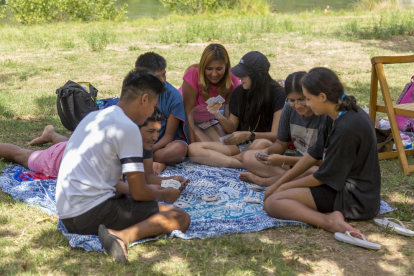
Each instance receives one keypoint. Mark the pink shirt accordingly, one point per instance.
(200, 110)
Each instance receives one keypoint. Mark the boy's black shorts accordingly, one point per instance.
(117, 213)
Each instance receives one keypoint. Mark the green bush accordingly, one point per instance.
(384, 26)
(203, 6)
(42, 11)
(2, 11)
(98, 39)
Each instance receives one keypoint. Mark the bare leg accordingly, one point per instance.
(262, 181)
(267, 181)
(15, 154)
(172, 153)
(158, 168)
(298, 204)
(214, 154)
(210, 134)
(264, 175)
(168, 219)
(250, 163)
(49, 135)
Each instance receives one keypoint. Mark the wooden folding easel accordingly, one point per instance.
(378, 75)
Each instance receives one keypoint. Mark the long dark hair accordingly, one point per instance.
(256, 104)
(293, 83)
(323, 80)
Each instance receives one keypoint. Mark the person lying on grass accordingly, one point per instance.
(48, 161)
(297, 123)
(255, 109)
(348, 182)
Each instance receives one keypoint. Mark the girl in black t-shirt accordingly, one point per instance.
(255, 109)
(347, 183)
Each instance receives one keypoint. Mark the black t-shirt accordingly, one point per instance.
(350, 165)
(278, 97)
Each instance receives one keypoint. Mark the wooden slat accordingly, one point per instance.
(391, 60)
(399, 109)
(393, 154)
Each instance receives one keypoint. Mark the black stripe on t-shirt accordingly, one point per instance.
(131, 160)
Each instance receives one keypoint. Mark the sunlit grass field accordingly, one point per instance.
(36, 60)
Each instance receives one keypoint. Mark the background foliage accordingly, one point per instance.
(44, 11)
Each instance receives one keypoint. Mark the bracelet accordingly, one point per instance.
(284, 158)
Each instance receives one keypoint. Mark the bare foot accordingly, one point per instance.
(338, 223)
(251, 177)
(119, 240)
(46, 136)
(158, 167)
(113, 244)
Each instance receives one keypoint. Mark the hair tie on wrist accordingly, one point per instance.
(343, 96)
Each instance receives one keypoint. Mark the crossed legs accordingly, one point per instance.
(171, 154)
(167, 220)
(216, 154)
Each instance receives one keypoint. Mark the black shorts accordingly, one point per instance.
(324, 197)
(117, 213)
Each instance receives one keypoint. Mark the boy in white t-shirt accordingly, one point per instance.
(105, 145)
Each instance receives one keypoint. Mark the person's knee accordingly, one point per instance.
(193, 149)
(179, 150)
(184, 220)
(175, 219)
(248, 157)
(271, 204)
(261, 144)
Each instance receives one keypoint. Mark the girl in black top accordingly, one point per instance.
(347, 183)
(255, 109)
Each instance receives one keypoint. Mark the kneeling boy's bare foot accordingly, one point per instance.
(338, 223)
(158, 167)
(46, 136)
(251, 177)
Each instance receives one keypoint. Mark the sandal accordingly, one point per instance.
(112, 247)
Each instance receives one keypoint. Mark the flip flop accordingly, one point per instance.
(348, 238)
(111, 245)
(397, 226)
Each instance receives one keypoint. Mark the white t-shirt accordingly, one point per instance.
(105, 145)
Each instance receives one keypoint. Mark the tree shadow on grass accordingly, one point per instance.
(230, 254)
(5, 111)
(47, 105)
(398, 44)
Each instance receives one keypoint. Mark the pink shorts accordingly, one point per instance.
(47, 161)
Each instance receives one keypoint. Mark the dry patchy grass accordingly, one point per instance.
(29, 77)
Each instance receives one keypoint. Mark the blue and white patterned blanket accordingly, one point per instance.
(208, 219)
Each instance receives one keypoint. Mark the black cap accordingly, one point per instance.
(249, 63)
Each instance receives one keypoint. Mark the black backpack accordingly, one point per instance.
(74, 102)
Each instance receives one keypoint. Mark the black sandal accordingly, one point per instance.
(112, 247)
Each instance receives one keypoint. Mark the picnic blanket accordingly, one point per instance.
(208, 219)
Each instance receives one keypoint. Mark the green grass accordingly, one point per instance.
(36, 60)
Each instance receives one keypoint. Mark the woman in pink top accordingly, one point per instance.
(215, 80)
